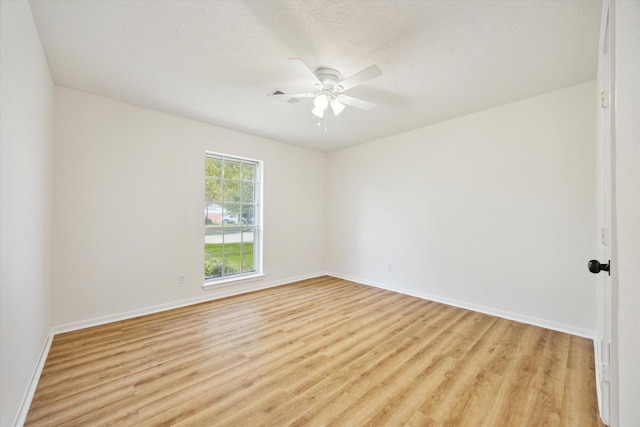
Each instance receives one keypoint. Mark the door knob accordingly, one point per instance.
(595, 266)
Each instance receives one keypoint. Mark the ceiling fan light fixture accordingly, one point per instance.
(318, 112)
(321, 101)
(336, 106)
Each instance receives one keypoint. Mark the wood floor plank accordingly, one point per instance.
(321, 351)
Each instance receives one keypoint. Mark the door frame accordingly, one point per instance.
(604, 352)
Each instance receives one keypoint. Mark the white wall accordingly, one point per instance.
(129, 203)
(26, 112)
(493, 211)
(627, 261)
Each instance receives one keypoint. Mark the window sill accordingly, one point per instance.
(224, 283)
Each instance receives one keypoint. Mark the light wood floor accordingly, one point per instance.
(318, 352)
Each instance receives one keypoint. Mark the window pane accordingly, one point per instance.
(229, 263)
(232, 191)
(248, 172)
(232, 259)
(248, 215)
(214, 247)
(248, 250)
(213, 190)
(212, 232)
(231, 170)
(212, 213)
(213, 167)
(247, 192)
(233, 213)
(213, 266)
(247, 239)
(247, 262)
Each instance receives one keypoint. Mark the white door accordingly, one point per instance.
(604, 202)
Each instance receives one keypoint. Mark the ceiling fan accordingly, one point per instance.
(329, 88)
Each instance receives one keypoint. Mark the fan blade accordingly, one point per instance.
(355, 102)
(299, 65)
(279, 93)
(358, 78)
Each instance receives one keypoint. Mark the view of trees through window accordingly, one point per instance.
(230, 216)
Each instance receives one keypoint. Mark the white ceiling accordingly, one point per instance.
(216, 61)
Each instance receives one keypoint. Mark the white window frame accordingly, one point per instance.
(217, 282)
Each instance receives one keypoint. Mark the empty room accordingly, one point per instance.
(287, 212)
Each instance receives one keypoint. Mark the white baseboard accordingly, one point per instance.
(548, 324)
(33, 383)
(213, 294)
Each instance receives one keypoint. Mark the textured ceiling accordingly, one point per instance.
(216, 61)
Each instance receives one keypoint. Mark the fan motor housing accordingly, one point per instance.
(328, 76)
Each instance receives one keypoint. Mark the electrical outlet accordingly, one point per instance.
(180, 279)
(389, 268)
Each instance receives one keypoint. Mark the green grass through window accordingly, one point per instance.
(238, 257)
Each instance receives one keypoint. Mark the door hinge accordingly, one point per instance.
(604, 236)
(603, 100)
(606, 373)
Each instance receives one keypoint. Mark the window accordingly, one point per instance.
(231, 217)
